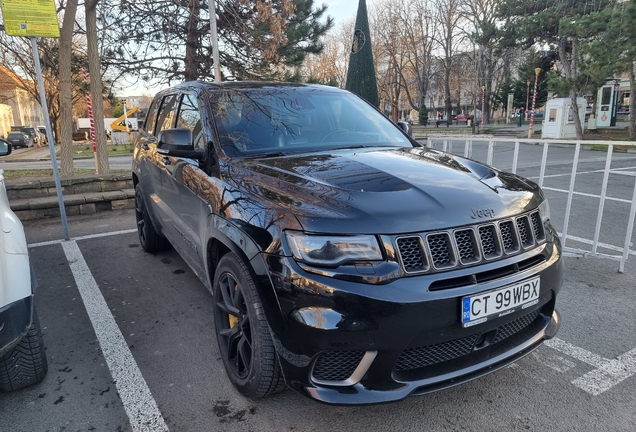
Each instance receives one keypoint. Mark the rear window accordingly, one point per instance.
(16, 135)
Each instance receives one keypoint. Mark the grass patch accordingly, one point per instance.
(610, 134)
(86, 150)
(18, 174)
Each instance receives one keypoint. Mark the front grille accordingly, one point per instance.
(537, 226)
(415, 358)
(514, 327)
(466, 246)
(470, 245)
(489, 241)
(411, 254)
(440, 249)
(524, 231)
(507, 236)
(337, 365)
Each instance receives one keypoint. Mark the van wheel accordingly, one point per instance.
(26, 363)
(244, 338)
(151, 241)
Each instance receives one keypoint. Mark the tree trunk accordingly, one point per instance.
(192, 42)
(94, 67)
(66, 108)
(575, 113)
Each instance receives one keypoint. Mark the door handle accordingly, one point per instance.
(165, 160)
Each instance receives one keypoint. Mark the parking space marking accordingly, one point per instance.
(86, 237)
(141, 408)
(607, 374)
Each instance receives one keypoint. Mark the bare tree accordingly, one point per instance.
(482, 15)
(449, 40)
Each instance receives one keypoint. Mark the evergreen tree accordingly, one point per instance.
(168, 41)
(361, 78)
(569, 28)
(423, 115)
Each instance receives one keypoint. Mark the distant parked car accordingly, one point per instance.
(588, 110)
(20, 139)
(461, 117)
(33, 133)
(42, 131)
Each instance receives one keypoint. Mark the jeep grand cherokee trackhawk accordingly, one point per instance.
(345, 260)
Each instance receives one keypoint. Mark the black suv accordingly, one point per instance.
(345, 259)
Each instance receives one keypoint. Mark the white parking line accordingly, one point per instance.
(86, 237)
(607, 374)
(141, 407)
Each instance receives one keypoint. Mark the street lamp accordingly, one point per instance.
(537, 71)
(483, 104)
(527, 97)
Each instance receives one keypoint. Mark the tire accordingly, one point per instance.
(25, 364)
(151, 241)
(242, 332)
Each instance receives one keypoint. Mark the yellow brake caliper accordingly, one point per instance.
(233, 320)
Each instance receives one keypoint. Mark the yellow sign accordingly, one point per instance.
(30, 18)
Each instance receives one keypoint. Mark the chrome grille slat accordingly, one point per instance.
(446, 249)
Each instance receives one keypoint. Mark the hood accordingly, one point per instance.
(384, 191)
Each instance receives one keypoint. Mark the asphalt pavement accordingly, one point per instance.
(585, 380)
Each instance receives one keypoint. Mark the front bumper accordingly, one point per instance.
(15, 320)
(384, 342)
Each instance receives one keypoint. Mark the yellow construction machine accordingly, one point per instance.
(120, 123)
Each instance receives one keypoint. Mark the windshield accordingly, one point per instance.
(295, 120)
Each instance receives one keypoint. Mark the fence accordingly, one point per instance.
(447, 146)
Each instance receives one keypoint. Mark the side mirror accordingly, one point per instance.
(406, 127)
(5, 148)
(178, 142)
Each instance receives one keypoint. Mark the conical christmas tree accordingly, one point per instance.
(361, 78)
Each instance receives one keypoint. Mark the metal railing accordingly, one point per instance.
(447, 146)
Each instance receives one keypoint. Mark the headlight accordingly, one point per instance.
(544, 210)
(331, 251)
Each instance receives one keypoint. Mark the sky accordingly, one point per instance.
(340, 10)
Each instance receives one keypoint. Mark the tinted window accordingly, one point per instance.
(299, 120)
(190, 117)
(168, 112)
(151, 117)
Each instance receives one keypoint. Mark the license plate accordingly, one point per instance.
(479, 308)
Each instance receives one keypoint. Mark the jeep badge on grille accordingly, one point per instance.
(485, 213)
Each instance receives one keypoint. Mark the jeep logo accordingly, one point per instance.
(485, 213)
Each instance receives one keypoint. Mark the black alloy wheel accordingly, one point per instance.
(151, 241)
(244, 338)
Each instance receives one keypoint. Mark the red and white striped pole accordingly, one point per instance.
(537, 71)
(89, 106)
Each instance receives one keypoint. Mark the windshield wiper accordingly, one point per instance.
(266, 155)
